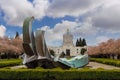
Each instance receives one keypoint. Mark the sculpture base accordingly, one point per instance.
(45, 63)
(63, 66)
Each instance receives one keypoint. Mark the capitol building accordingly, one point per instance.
(68, 48)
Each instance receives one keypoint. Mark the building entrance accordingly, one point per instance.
(67, 52)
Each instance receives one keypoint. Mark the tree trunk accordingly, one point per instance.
(111, 56)
(0, 55)
(16, 55)
(116, 56)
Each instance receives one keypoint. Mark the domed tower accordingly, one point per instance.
(68, 39)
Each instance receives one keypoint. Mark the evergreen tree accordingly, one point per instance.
(17, 35)
(80, 42)
(77, 42)
(62, 55)
(84, 42)
(83, 50)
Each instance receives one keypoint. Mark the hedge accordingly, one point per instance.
(42, 74)
(107, 61)
(10, 62)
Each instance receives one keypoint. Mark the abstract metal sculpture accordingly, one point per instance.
(37, 54)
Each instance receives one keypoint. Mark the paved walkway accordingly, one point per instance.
(95, 65)
(18, 67)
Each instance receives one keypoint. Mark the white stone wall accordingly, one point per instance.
(73, 50)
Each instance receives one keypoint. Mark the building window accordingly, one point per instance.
(68, 52)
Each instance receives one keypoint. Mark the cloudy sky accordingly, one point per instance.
(95, 20)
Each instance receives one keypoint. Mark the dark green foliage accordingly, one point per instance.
(9, 56)
(10, 62)
(75, 74)
(81, 42)
(83, 50)
(77, 42)
(84, 42)
(17, 35)
(62, 55)
(107, 61)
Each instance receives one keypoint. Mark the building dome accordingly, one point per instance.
(68, 39)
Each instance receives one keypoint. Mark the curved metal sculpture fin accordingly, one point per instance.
(39, 43)
(27, 36)
(41, 47)
(27, 25)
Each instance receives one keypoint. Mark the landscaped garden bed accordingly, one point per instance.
(10, 62)
(59, 74)
(6, 73)
(107, 61)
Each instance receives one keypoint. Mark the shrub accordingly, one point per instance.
(107, 61)
(10, 62)
(53, 74)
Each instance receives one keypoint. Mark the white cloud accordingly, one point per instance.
(55, 34)
(101, 15)
(108, 18)
(86, 28)
(17, 10)
(2, 30)
(61, 8)
(100, 39)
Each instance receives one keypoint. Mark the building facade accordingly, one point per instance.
(68, 48)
